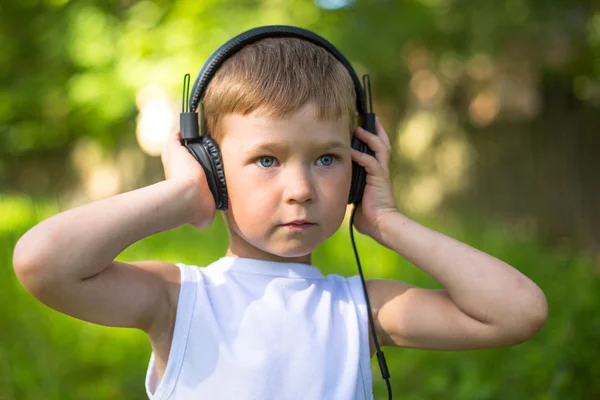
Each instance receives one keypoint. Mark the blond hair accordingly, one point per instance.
(275, 77)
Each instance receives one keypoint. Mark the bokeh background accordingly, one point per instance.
(492, 107)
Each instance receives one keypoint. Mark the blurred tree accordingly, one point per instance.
(491, 105)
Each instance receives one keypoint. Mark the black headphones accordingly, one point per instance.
(207, 153)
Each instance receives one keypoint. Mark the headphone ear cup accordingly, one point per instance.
(359, 174)
(207, 153)
(219, 171)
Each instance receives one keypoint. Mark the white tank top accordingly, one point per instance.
(252, 329)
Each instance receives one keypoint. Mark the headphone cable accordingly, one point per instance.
(380, 357)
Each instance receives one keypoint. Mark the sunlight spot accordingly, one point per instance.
(90, 37)
(484, 108)
(144, 14)
(425, 195)
(86, 155)
(156, 120)
(425, 85)
(417, 135)
(452, 160)
(103, 181)
(333, 4)
(416, 57)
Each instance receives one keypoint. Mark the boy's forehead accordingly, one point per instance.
(254, 129)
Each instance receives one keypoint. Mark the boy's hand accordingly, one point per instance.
(180, 165)
(378, 200)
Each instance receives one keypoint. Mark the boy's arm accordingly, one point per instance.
(67, 261)
(486, 302)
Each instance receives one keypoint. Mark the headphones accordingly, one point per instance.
(207, 153)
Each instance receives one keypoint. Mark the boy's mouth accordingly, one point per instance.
(299, 224)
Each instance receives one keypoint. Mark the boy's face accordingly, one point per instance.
(279, 171)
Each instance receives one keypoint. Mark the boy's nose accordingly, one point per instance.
(298, 186)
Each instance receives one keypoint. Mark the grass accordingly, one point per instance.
(46, 355)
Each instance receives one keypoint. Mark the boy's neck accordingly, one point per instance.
(257, 254)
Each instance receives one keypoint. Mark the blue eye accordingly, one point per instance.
(327, 160)
(266, 161)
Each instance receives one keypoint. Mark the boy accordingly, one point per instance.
(262, 322)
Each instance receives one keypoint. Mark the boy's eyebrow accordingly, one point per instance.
(276, 147)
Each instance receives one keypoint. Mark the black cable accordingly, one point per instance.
(380, 357)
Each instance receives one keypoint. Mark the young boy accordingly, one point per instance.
(262, 322)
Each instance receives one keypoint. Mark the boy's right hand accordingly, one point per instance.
(180, 165)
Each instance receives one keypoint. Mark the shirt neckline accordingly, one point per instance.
(271, 268)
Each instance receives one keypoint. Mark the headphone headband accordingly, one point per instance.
(253, 35)
(195, 138)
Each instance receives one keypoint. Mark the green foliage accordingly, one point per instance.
(70, 70)
(77, 65)
(44, 354)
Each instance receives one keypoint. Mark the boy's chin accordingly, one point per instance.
(290, 252)
(270, 250)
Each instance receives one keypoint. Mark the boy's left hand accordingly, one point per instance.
(378, 199)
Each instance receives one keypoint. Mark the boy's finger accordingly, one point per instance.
(382, 153)
(176, 136)
(367, 161)
(382, 133)
(375, 143)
